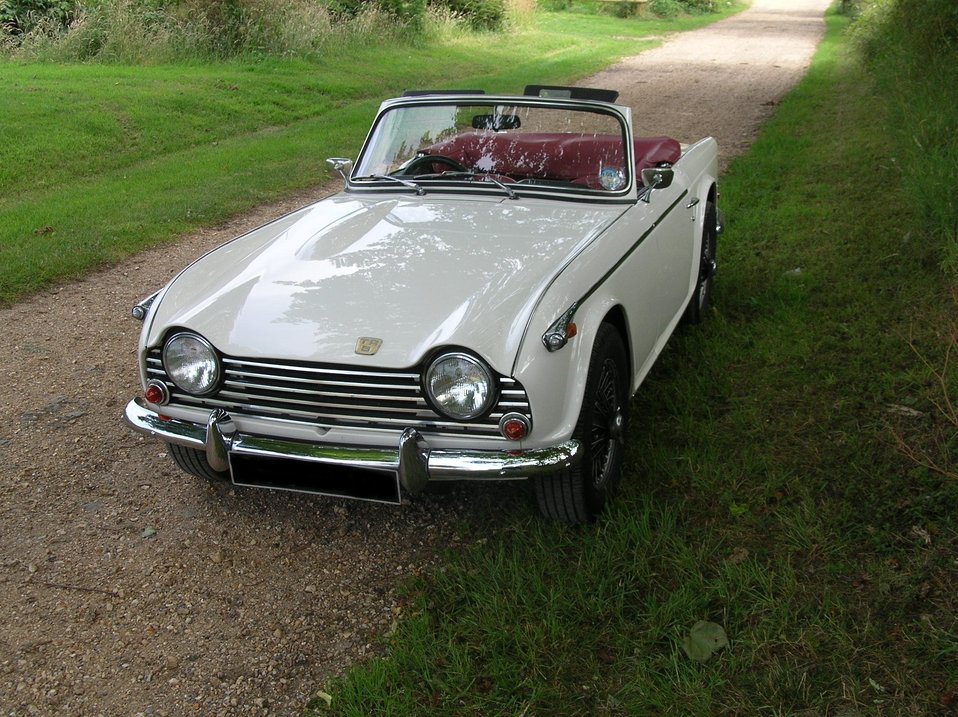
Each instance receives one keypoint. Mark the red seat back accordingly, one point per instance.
(558, 156)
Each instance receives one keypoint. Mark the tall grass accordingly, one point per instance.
(135, 32)
(911, 50)
(150, 32)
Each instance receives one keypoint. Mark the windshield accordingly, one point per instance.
(522, 146)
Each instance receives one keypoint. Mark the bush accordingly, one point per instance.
(19, 16)
(154, 31)
(666, 8)
(480, 14)
(407, 10)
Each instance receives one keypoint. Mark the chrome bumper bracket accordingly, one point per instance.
(220, 430)
(413, 461)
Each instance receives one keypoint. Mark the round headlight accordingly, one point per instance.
(460, 386)
(191, 363)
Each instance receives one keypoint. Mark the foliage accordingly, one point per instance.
(659, 8)
(911, 50)
(19, 16)
(408, 10)
(480, 14)
(666, 8)
(134, 31)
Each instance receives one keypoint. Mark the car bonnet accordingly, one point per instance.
(414, 273)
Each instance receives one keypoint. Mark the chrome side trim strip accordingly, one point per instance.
(550, 337)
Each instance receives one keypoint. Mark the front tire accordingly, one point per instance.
(578, 495)
(701, 301)
(193, 461)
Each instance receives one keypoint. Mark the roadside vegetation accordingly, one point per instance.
(101, 159)
(772, 493)
(150, 31)
(910, 47)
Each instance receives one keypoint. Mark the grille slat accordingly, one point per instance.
(249, 378)
(317, 370)
(252, 399)
(410, 397)
(329, 396)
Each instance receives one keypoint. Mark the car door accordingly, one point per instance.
(655, 280)
(673, 242)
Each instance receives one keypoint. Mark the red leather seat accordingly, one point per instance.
(564, 157)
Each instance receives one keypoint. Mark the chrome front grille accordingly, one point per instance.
(329, 396)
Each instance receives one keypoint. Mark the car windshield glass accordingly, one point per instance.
(547, 147)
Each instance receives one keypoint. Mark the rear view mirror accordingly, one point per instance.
(496, 122)
(656, 178)
(342, 165)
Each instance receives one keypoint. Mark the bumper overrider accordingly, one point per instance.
(412, 460)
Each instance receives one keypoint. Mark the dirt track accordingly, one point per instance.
(129, 588)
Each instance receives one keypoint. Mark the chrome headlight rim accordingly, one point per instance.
(487, 373)
(211, 384)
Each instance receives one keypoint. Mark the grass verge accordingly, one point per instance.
(98, 162)
(765, 491)
(911, 50)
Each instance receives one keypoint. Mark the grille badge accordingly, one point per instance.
(367, 345)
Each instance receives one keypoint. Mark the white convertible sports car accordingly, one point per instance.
(479, 303)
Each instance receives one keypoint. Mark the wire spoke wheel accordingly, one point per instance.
(606, 438)
(698, 307)
(577, 495)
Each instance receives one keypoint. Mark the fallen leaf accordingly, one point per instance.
(704, 639)
(325, 697)
(605, 655)
(903, 410)
(149, 533)
(922, 533)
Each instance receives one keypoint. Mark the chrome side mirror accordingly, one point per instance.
(656, 178)
(342, 165)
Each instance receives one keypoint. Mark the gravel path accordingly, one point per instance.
(129, 588)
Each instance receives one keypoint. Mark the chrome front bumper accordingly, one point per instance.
(412, 460)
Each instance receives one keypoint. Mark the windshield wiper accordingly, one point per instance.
(405, 182)
(471, 175)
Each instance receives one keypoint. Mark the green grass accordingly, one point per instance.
(911, 47)
(764, 490)
(98, 161)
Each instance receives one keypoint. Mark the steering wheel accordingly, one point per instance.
(427, 160)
